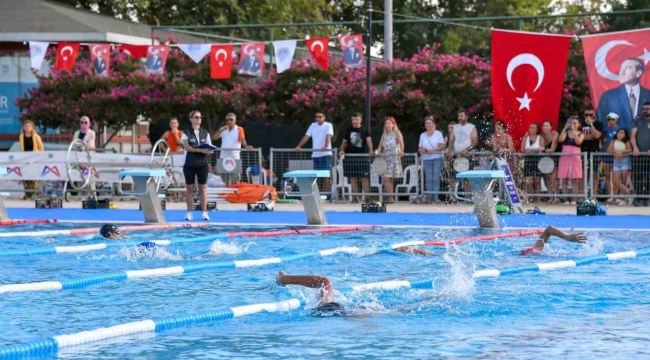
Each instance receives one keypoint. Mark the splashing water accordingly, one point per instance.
(135, 253)
(232, 248)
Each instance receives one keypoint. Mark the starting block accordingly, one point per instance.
(482, 183)
(144, 187)
(311, 199)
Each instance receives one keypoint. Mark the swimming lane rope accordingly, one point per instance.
(85, 231)
(54, 250)
(51, 346)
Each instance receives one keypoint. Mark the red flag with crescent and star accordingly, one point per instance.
(319, 49)
(221, 62)
(527, 79)
(66, 55)
(135, 51)
(616, 64)
(352, 47)
(251, 59)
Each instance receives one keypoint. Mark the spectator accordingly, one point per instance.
(620, 147)
(321, 133)
(172, 137)
(391, 145)
(448, 176)
(88, 137)
(232, 137)
(552, 146)
(640, 139)
(431, 147)
(609, 133)
(85, 134)
(592, 130)
(30, 141)
(196, 166)
(501, 141)
(532, 143)
(357, 141)
(570, 165)
(462, 141)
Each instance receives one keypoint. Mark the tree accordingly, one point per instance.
(628, 22)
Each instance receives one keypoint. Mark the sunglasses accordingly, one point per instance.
(589, 115)
(611, 119)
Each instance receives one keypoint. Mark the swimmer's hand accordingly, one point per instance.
(278, 279)
(577, 237)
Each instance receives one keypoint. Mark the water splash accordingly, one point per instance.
(135, 253)
(232, 248)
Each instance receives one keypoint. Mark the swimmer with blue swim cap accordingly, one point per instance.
(546, 235)
(326, 304)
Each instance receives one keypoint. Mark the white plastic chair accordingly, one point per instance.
(374, 183)
(409, 179)
(342, 181)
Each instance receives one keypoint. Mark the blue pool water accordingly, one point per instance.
(584, 312)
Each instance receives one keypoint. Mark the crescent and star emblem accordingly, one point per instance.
(315, 44)
(525, 59)
(65, 48)
(95, 48)
(225, 56)
(600, 60)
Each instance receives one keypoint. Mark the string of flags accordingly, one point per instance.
(251, 55)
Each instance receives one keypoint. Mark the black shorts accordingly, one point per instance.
(198, 172)
(356, 167)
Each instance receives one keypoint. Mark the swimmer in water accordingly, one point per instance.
(326, 303)
(546, 235)
(111, 232)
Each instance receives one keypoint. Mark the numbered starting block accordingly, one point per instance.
(261, 206)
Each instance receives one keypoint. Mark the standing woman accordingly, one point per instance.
(570, 166)
(30, 141)
(431, 146)
(197, 164)
(532, 143)
(391, 145)
(552, 146)
(172, 137)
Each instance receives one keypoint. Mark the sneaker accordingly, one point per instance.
(622, 203)
(573, 203)
(188, 216)
(205, 216)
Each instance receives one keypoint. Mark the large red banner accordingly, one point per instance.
(527, 79)
(615, 67)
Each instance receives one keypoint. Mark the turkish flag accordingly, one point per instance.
(318, 49)
(615, 64)
(527, 79)
(221, 61)
(135, 51)
(66, 55)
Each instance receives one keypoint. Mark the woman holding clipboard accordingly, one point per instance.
(198, 147)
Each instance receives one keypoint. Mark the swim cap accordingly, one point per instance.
(531, 251)
(329, 309)
(148, 244)
(108, 230)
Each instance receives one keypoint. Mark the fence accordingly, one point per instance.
(624, 180)
(248, 167)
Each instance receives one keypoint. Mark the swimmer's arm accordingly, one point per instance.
(313, 281)
(414, 251)
(553, 231)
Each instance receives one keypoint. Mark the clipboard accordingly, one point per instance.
(207, 146)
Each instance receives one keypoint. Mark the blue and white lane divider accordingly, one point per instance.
(51, 346)
(76, 249)
(81, 282)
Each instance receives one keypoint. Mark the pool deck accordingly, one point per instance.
(400, 214)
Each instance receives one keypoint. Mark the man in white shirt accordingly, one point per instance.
(321, 133)
(232, 137)
(462, 141)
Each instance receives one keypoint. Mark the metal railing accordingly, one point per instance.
(623, 180)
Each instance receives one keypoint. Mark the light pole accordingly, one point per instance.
(359, 4)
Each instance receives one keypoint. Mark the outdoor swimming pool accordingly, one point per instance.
(598, 309)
